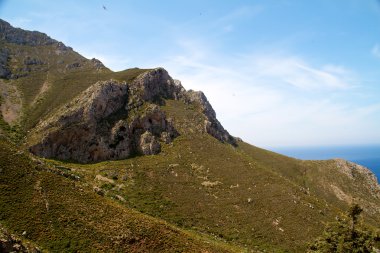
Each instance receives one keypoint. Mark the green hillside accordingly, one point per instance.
(53, 83)
(61, 213)
(245, 195)
(202, 191)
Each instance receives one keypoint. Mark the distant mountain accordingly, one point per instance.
(96, 160)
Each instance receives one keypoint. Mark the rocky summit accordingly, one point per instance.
(93, 160)
(114, 120)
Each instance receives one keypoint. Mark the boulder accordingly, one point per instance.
(148, 144)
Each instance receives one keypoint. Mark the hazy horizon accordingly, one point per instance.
(278, 73)
(368, 156)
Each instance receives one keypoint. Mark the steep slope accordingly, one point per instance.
(114, 120)
(39, 74)
(337, 181)
(242, 194)
(62, 214)
(183, 166)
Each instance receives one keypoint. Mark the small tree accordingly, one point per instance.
(345, 236)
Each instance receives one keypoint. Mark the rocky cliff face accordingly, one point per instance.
(22, 37)
(211, 123)
(356, 171)
(4, 69)
(18, 57)
(12, 243)
(114, 120)
(19, 37)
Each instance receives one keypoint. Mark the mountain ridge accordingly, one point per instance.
(126, 133)
(179, 165)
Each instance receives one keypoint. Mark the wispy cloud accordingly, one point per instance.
(275, 100)
(259, 72)
(109, 60)
(298, 73)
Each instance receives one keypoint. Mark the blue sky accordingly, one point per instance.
(277, 72)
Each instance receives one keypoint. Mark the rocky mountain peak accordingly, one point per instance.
(113, 120)
(98, 125)
(18, 36)
(157, 84)
(18, 57)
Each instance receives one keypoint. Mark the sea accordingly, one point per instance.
(368, 156)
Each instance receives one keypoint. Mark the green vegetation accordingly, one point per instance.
(244, 196)
(241, 195)
(197, 195)
(46, 86)
(64, 87)
(15, 132)
(64, 215)
(345, 235)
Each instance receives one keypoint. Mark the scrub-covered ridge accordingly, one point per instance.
(130, 161)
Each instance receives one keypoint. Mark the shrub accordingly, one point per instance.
(345, 235)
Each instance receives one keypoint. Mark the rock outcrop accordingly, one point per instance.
(22, 37)
(356, 171)
(12, 243)
(114, 120)
(17, 60)
(155, 85)
(4, 69)
(211, 123)
(97, 125)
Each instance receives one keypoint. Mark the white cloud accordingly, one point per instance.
(298, 73)
(272, 100)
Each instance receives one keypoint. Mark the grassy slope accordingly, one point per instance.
(204, 185)
(246, 196)
(249, 196)
(51, 84)
(320, 178)
(63, 215)
(67, 86)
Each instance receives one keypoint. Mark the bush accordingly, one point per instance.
(345, 235)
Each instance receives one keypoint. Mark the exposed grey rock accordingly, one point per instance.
(4, 57)
(33, 61)
(149, 144)
(211, 123)
(113, 120)
(96, 126)
(73, 65)
(354, 171)
(155, 85)
(97, 64)
(12, 243)
(78, 135)
(98, 190)
(165, 137)
(120, 198)
(21, 37)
